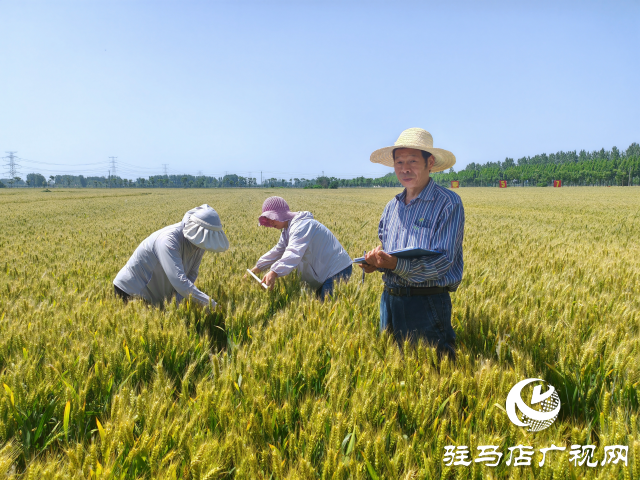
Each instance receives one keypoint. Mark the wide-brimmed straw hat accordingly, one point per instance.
(203, 228)
(419, 139)
(275, 208)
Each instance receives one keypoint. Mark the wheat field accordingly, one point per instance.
(283, 386)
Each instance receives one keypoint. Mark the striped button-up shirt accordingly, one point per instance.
(434, 220)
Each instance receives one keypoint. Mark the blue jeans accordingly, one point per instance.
(420, 316)
(327, 286)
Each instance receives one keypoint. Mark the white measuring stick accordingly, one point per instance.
(256, 277)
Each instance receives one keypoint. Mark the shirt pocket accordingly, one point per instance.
(420, 232)
(422, 223)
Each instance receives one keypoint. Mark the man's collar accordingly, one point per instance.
(428, 192)
(425, 194)
(401, 196)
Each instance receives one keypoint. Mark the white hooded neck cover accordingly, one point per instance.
(203, 228)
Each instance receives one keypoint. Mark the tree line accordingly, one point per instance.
(597, 168)
(37, 180)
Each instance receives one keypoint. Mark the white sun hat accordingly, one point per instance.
(203, 228)
(421, 140)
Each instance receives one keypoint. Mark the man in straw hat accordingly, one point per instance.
(166, 263)
(416, 302)
(305, 244)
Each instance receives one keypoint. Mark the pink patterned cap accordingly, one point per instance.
(275, 208)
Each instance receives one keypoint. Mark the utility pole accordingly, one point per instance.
(109, 180)
(165, 165)
(12, 166)
(113, 167)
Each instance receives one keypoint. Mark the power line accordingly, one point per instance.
(61, 164)
(117, 166)
(120, 168)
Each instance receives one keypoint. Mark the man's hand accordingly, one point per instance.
(369, 257)
(270, 279)
(368, 268)
(386, 261)
(379, 259)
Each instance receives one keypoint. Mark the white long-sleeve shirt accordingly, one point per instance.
(308, 245)
(163, 265)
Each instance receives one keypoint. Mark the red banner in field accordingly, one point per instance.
(503, 184)
(557, 183)
(455, 183)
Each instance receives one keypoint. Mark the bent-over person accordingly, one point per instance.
(305, 244)
(167, 262)
(416, 301)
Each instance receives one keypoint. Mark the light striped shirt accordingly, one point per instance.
(309, 246)
(434, 220)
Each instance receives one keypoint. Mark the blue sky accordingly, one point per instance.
(297, 88)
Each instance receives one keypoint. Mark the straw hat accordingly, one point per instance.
(421, 140)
